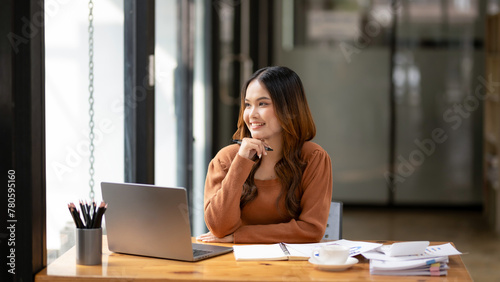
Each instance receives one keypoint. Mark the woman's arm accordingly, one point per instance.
(223, 188)
(315, 206)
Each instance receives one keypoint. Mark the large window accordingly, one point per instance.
(67, 105)
(165, 116)
(170, 118)
(67, 109)
(384, 78)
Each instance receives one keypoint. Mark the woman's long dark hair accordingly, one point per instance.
(291, 108)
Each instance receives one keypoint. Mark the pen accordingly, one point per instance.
(92, 215)
(74, 215)
(98, 217)
(89, 218)
(80, 222)
(84, 213)
(239, 142)
(284, 248)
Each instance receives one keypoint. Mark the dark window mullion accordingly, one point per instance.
(183, 93)
(22, 107)
(139, 105)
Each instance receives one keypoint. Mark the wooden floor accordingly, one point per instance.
(466, 228)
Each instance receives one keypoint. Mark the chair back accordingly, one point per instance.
(334, 224)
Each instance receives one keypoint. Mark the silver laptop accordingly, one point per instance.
(152, 221)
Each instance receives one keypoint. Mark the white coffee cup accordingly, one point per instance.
(331, 254)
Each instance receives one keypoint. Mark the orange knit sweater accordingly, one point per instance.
(261, 221)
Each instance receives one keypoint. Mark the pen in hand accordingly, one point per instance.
(237, 141)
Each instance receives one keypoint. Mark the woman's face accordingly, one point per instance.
(259, 115)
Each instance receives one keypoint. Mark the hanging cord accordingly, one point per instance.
(91, 99)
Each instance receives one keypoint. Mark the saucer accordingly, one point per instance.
(334, 267)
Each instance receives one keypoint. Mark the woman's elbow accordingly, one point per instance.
(316, 233)
(221, 227)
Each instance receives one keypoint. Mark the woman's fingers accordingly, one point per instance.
(209, 237)
(251, 147)
(202, 236)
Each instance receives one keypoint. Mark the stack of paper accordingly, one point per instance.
(433, 267)
(433, 261)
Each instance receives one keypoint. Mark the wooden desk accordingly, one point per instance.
(222, 268)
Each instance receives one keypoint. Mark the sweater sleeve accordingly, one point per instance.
(315, 205)
(223, 188)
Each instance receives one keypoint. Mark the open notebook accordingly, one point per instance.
(284, 251)
(279, 251)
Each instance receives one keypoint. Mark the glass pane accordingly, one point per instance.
(201, 114)
(167, 22)
(67, 109)
(165, 118)
(340, 49)
(439, 63)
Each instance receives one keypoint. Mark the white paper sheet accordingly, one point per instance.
(430, 252)
(356, 247)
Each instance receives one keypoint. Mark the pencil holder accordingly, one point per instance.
(89, 246)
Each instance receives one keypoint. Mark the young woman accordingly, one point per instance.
(276, 185)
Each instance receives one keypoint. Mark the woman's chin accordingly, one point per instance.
(258, 136)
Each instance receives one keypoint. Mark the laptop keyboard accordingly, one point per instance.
(198, 252)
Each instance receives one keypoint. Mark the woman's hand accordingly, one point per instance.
(251, 147)
(210, 238)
